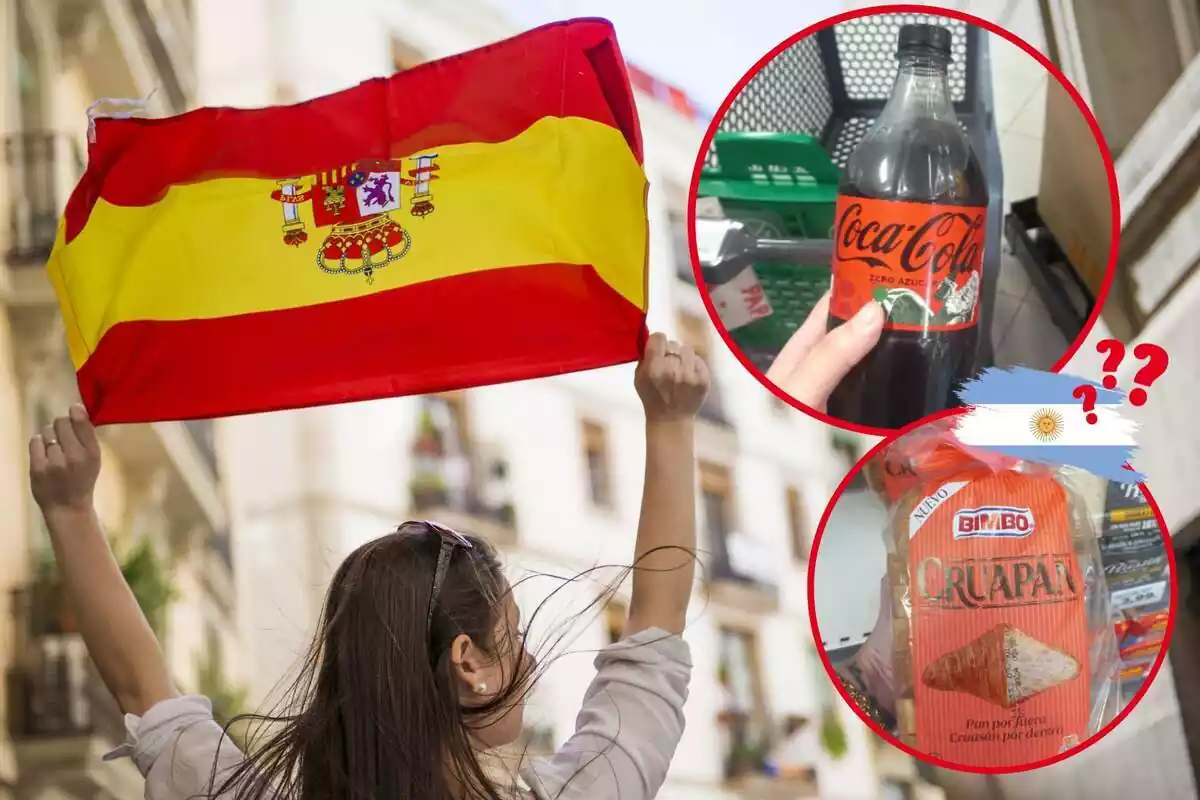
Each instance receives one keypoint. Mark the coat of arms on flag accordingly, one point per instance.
(355, 201)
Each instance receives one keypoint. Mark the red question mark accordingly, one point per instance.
(1116, 353)
(1088, 393)
(1156, 365)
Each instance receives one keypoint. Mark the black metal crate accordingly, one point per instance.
(833, 85)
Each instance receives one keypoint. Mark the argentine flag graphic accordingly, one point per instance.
(1034, 415)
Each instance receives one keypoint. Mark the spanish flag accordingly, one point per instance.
(473, 220)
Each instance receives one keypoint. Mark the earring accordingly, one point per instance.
(481, 688)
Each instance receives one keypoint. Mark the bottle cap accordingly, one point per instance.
(932, 39)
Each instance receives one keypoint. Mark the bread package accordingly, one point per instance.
(1002, 654)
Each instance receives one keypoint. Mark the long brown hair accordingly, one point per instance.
(375, 712)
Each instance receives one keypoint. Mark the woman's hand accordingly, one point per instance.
(671, 380)
(814, 361)
(64, 463)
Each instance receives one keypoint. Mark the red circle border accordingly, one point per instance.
(904, 8)
(917, 754)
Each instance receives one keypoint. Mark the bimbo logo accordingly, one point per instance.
(993, 522)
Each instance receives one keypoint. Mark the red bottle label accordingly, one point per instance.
(921, 261)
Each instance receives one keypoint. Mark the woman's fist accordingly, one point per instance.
(671, 380)
(64, 462)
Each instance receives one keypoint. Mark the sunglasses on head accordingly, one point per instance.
(450, 539)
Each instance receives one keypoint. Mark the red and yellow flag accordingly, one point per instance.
(473, 220)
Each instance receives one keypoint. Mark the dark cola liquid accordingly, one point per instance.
(915, 159)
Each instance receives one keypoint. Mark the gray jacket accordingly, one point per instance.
(625, 734)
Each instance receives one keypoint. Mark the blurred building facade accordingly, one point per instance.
(161, 494)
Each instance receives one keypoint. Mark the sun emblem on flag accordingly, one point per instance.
(356, 202)
(1046, 425)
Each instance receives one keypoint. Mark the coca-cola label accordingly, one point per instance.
(921, 261)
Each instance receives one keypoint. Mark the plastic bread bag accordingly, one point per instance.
(1004, 649)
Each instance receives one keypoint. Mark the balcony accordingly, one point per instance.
(768, 787)
(457, 482)
(463, 511)
(757, 768)
(40, 170)
(743, 574)
(61, 717)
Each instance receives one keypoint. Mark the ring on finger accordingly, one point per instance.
(51, 442)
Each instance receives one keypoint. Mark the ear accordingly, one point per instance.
(470, 670)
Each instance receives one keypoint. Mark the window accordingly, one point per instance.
(615, 617)
(595, 454)
(796, 524)
(694, 332)
(441, 450)
(743, 720)
(716, 494)
(442, 430)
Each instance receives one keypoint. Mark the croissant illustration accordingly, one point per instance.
(1003, 666)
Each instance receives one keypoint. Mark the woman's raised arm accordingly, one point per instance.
(672, 383)
(64, 462)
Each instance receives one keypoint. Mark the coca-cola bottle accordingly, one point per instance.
(909, 234)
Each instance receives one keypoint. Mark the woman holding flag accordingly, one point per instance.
(419, 665)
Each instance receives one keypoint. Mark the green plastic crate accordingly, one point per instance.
(781, 186)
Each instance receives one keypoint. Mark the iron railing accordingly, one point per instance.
(31, 161)
(54, 689)
(722, 562)
(433, 489)
(470, 504)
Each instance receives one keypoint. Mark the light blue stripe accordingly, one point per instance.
(997, 386)
(1105, 461)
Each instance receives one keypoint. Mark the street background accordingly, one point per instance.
(231, 529)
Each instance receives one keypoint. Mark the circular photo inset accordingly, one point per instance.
(871, 224)
(984, 613)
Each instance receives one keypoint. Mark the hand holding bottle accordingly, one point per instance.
(814, 361)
